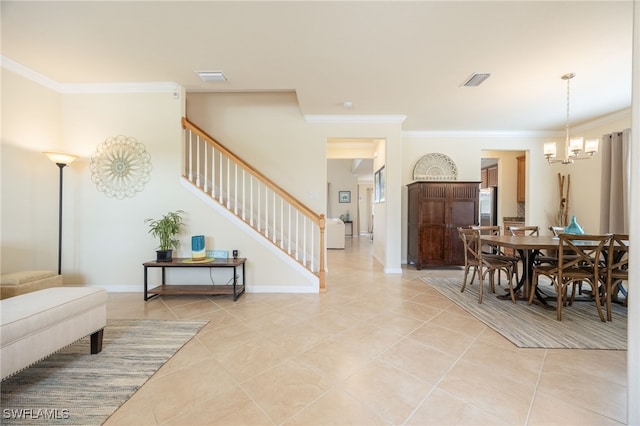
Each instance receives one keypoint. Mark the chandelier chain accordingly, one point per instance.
(568, 77)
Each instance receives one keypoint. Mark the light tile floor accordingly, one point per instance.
(374, 349)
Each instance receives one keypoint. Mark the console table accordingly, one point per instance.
(350, 223)
(236, 289)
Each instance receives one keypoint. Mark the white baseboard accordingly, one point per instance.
(137, 288)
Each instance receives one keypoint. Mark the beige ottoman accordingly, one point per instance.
(28, 281)
(35, 325)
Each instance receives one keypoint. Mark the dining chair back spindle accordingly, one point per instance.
(579, 260)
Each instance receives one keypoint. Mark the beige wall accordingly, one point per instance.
(265, 129)
(31, 123)
(105, 240)
(541, 183)
(584, 194)
(340, 178)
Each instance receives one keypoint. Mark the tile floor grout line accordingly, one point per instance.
(535, 388)
(437, 384)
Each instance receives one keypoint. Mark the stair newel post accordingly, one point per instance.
(321, 266)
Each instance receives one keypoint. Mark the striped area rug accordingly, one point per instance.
(73, 387)
(534, 326)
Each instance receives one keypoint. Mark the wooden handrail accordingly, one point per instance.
(276, 188)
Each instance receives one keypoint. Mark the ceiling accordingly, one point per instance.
(390, 59)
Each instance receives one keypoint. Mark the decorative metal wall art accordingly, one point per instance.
(120, 167)
(435, 166)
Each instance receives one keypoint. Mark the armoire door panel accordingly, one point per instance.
(463, 212)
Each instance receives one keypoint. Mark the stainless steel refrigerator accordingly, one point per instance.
(489, 206)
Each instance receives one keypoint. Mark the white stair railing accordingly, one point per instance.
(264, 206)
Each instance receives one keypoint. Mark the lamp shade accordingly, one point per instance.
(550, 149)
(575, 145)
(60, 157)
(591, 146)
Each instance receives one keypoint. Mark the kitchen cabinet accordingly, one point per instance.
(522, 173)
(435, 211)
(492, 176)
(488, 177)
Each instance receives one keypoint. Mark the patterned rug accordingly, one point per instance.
(73, 387)
(535, 326)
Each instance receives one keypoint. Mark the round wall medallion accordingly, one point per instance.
(435, 166)
(120, 167)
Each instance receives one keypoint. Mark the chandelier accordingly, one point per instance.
(577, 147)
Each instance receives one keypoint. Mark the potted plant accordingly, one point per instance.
(166, 230)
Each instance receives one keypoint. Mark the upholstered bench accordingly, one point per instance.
(27, 281)
(35, 325)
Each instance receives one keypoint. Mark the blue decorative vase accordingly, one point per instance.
(573, 227)
(198, 251)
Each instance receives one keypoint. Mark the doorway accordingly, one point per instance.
(499, 170)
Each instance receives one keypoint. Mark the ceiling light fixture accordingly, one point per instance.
(211, 75)
(575, 145)
(476, 79)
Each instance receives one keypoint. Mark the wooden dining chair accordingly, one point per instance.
(579, 261)
(489, 251)
(617, 268)
(481, 265)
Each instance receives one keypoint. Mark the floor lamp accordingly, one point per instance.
(62, 160)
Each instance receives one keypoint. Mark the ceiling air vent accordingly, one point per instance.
(476, 79)
(211, 75)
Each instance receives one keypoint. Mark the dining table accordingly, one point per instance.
(528, 247)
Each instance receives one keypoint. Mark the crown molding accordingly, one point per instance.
(605, 119)
(105, 88)
(600, 121)
(86, 88)
(353, 119)
(30, 74)
(480, 134)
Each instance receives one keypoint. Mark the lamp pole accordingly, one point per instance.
(61, 166)
(61, 160)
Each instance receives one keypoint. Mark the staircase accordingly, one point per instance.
(260, 204)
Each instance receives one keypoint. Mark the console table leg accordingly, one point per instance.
(146, 297)
(235, 281)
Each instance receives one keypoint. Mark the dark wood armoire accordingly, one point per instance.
(436, 210)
